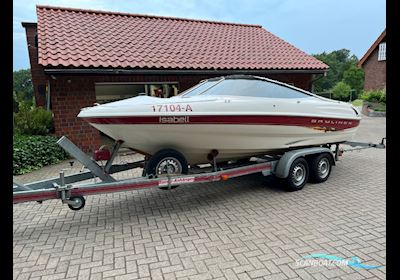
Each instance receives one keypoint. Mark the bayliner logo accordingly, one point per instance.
(174, 119)
(335, 122)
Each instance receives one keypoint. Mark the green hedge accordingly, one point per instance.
(31, 120)
(34, 152)
(376, 96)
(341, 91)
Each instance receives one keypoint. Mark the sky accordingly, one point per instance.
(314, 26)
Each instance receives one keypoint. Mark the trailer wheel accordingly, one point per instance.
(320, 168)
(167, 161)
(298, 175)
(79, 203)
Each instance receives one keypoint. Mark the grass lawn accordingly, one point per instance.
(357, 102)
(380, 107)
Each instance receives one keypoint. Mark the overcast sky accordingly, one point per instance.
(313, 26)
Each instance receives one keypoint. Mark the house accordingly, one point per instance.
(374, 64)
(81, 57)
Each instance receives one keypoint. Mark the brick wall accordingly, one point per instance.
(375, 72)
(68, 96)
(299, 80)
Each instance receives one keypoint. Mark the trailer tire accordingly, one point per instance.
(298, 175)
(320, 167)
(80, 200)
(164, 159)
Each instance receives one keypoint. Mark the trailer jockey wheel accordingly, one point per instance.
(298, 175)
(167, 162)
(320, 168)
(79, 202)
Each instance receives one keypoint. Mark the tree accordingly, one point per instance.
(354, 77)
(15, 104)
(22, 85)
(339, 62)
(341, 91)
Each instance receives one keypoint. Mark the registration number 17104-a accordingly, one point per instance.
(172, 108)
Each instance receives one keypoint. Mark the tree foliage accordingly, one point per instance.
(354, 77)
(31, 120)
(341, 91)
(15, 104)
(22, 85)
(342, 67)
(28, 119)
(376, 96)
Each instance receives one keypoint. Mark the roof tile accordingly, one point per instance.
(85, 38)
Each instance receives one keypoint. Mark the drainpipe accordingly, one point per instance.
(48, 96)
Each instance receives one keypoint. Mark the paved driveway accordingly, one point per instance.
(244, 228)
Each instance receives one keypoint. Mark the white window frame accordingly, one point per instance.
(382, 51)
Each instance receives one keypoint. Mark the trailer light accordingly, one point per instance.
(224, 177)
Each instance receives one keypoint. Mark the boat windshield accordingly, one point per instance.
(247, 87)
(200, 88)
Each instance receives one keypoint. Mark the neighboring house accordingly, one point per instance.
(81, 57)
(374, 64)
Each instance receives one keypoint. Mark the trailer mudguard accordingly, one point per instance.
(283, 166)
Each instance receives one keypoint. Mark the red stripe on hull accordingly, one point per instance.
(238, 120)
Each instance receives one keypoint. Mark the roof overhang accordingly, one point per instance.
(94, 71)
(29, 24)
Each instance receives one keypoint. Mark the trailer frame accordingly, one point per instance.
(65, 189)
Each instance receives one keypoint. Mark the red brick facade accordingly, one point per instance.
(68, 96)
(375, 72)
(70, 93)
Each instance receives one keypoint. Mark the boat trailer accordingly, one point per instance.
(72, 194)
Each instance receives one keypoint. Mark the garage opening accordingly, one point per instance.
(109, 92)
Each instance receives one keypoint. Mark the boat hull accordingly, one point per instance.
(238, 126)
(233, 141)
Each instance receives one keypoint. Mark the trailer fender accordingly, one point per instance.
(283, 166)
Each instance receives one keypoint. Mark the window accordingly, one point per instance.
(382, 51)
(253, 88)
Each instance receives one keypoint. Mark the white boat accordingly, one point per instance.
(239, 116)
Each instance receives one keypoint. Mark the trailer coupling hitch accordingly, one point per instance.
(383, 142)
(381, 145)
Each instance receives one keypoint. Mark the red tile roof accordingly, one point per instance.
(85, 38)
(372, 48)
